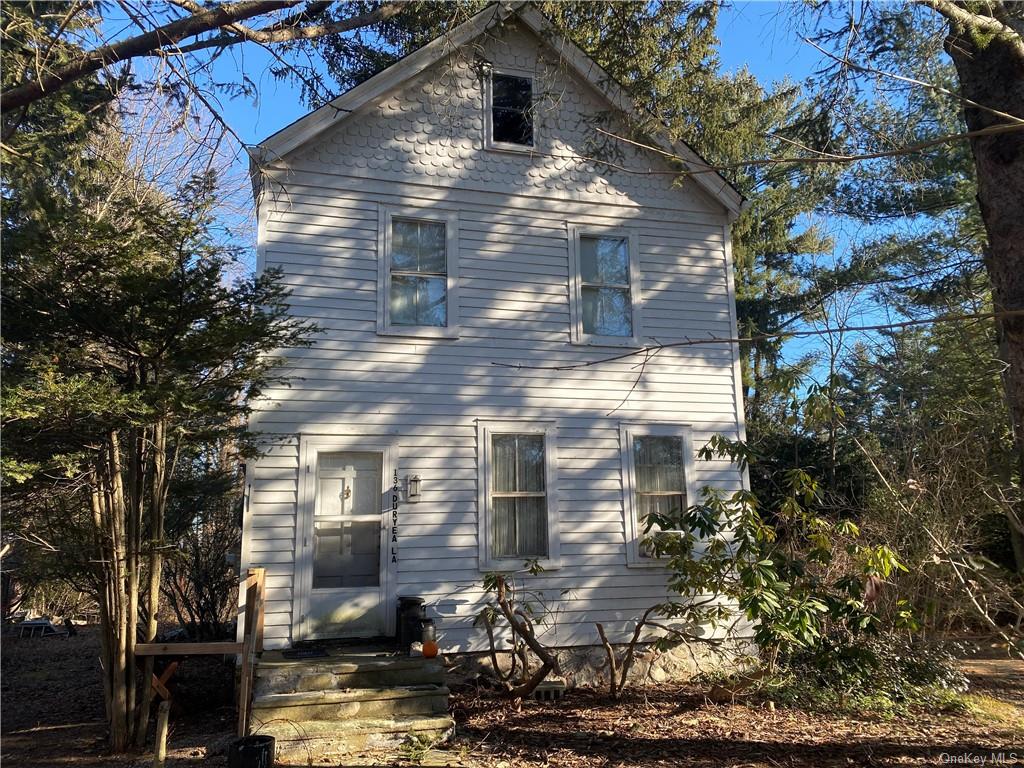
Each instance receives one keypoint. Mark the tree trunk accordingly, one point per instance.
(156, 541)
(992, 74)
(122, 705)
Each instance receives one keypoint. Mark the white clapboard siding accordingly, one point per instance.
(319, 224)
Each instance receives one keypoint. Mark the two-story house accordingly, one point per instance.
(459, 229)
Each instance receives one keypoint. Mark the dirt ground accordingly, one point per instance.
(52, 716)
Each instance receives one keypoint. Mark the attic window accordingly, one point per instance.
(511, 110)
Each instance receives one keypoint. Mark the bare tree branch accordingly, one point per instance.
(913, 81)
(819, 158)
(227, 16)
(767, 337)
(281, 33)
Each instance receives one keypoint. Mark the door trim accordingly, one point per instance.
(310, 446)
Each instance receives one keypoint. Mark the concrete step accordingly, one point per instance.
(338, 672)
(306, 742)
(331, 705)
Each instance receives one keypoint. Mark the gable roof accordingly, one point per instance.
(334, 112)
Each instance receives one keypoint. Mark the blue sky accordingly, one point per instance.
(762, 36)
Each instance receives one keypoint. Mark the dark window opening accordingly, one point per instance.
(512, 110)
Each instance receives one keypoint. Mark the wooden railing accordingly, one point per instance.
(252, 643)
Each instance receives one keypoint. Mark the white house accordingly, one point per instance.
(453, 226)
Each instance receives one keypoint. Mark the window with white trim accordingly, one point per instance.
(604, 287)
(418, 272)
(517, 500)
(509, 111)
(658, 479)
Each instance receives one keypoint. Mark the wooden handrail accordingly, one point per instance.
(252, 643)
(186, 649)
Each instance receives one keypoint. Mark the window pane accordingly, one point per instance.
(530, 463)
(513, 127)
(432, 247)
(329, 497)
(418, 246)
(519, 527)
(512, 109)
(512, 92)
(346, 554)
(604, 260)
(419, 300)
(404, 245)
(503, 459)
(659, 464)
(518, 463)
(607, 311)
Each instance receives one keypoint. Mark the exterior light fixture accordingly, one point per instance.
(482, 67)
(413, 490)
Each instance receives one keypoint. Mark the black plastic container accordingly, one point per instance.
(411, 614)
(252, 752)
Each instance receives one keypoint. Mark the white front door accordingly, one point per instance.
(342, 571)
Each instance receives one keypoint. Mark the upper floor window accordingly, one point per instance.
(658, 474)
(511, 111)
(519, 512)
(604, 287)
(418, 269)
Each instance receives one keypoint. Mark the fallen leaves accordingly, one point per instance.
(674, 726)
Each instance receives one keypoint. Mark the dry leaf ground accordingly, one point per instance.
(52, 716)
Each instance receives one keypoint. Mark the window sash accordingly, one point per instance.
(511, 110)
(519, 529)
(412, 280)
(518, 463)
(598, 315)
(620, 250)
(417, 245)
(517, 493)
(604, 286)
(617, 286)
(658, 478)
(420, 309)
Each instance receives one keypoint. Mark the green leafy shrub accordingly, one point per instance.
(886, 674)
(789, 576)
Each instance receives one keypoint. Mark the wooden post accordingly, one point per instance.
(252, 598)
(163, 714)
(261, 582)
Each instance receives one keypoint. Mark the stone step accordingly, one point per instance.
(352, 703)
(302, 741)
(345, 672)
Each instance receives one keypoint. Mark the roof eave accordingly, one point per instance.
(306, 128)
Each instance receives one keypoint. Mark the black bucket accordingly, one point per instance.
(251, 752)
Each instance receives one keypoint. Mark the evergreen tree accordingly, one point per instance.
(126, 345)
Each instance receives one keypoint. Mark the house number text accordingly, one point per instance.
(394, 519)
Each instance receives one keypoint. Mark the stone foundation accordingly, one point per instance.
(587, 666)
